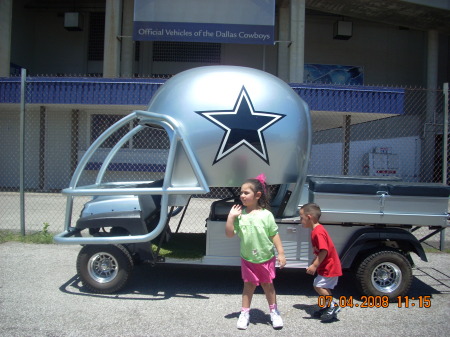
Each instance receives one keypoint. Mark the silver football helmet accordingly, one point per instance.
(239, 122)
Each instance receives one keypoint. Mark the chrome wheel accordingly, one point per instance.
(386, 277)
(102, 267)
(384, 273)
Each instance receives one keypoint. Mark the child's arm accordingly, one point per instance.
(235, 211)
(317, 261)
(279, 247)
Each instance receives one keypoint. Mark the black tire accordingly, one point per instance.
(104, 269)
(384, 273)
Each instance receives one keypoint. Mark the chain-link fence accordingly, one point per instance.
(55, 133)
(407, 145)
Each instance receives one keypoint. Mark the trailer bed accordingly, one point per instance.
(381, 202)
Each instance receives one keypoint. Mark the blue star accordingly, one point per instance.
(243, 126)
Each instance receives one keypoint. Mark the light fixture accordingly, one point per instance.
(342, 30)
(73, 21)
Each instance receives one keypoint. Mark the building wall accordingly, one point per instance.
(9, 155)
(47, 144)
(57, 135)
(64, 49)
(41, 44)
(389, 55)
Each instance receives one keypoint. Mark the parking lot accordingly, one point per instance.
(40, 295)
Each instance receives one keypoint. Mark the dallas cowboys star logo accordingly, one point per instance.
(243, 126)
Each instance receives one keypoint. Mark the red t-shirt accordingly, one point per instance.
(331, 265)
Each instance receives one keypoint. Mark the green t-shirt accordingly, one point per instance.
(255, 231)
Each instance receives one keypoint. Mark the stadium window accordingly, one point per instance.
(137, 50)
(168, 51)
(96, 36)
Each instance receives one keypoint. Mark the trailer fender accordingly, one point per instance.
(367, 239)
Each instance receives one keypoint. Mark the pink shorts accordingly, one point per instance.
(258, 272)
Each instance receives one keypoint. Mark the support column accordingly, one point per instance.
(428, 147)
(113, 19)
(5, 37)
(127, 59)
(297, 48)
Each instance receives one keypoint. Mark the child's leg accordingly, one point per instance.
(323, 291)
(329, 299)
(269, 291)
(323, 286)
(247, 294)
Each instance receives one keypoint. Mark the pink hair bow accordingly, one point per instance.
(261, 178)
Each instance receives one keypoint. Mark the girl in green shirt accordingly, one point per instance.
(255, 225)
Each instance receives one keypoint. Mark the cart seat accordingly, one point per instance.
(220, 208)
(150, 205)
(420, 189)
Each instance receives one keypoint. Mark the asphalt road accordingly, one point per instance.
(40, 295)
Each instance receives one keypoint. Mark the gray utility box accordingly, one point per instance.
(373, 201)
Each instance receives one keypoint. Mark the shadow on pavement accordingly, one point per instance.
(165, 281)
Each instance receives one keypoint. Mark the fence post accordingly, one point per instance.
(22, 150)
(346, 129)
(444, 154)
(445, 136)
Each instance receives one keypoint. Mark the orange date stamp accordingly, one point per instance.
(376, 302)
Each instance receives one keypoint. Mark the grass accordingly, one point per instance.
(184, 246)
(180, 245)
(43, 236)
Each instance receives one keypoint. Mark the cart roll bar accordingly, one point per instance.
(131, 188)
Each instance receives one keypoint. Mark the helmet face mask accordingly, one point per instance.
(238, 122)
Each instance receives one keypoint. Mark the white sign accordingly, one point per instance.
(218, 21)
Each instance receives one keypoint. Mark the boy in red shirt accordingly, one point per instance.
(326, 263)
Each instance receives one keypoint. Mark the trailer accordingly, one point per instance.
(224, 125)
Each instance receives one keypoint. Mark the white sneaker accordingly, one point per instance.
(276, 319)
(243, 321)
